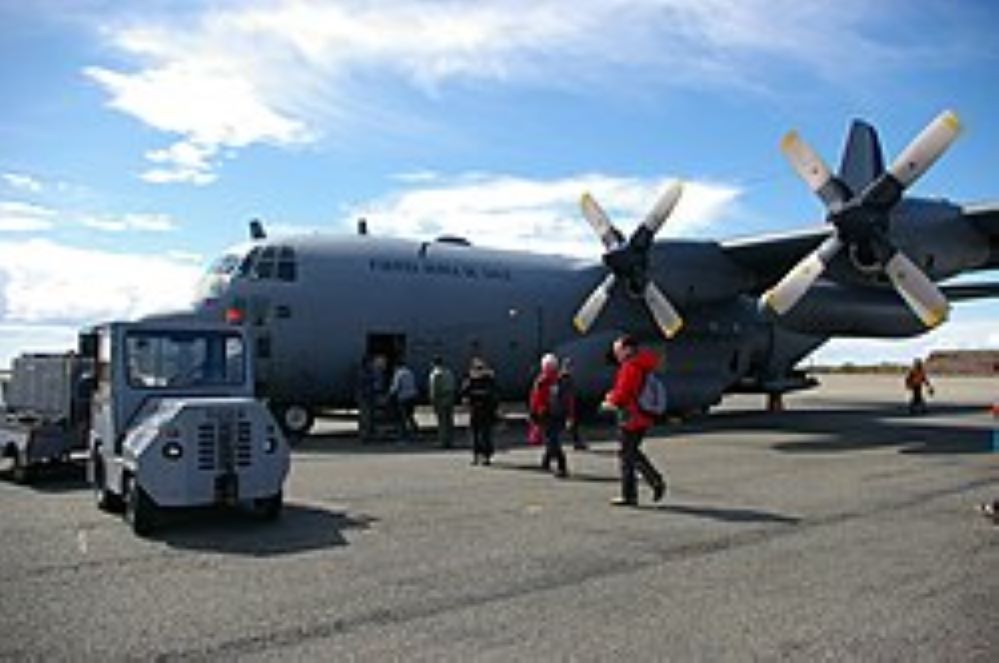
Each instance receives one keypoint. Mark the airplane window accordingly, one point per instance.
(286, 269)
(264, 269)
(247, 264)
(227, 264)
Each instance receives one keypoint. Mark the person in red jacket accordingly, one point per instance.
(633, 365)
(549, 410)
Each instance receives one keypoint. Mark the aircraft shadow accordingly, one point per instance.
(728, 514)
(299, 529)
(854, 428)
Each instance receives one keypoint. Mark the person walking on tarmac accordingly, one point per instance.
(403, 394)
(479, 389)
(548, 406)
(567, 385)
(634, 364)
(915, 380)
(442, 394)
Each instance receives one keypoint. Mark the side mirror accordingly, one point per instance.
(88, 344)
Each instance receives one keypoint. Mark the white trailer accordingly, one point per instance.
(43, 419)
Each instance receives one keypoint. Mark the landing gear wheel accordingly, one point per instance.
(296, 420)
(268, 508)
(140, 510)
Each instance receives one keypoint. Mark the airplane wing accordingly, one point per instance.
(971, 291)
(985, 217)
(769, 257)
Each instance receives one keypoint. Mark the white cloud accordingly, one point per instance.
(48, 291)
(45, 283)
(157, 223)
(24, 217)
(284, 73)
(22, 182)
(503, 211)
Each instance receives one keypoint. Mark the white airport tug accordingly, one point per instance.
(173, 422)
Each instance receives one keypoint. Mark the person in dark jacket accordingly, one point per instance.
(548, 406)
(480, 392)
(634, 364)
(567, 385)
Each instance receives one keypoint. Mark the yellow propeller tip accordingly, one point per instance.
(789, 139)
(951, 119)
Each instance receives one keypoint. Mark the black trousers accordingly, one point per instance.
(482, 436)
(634, 459)
(553, 446)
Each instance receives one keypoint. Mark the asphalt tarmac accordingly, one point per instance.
(840, 529)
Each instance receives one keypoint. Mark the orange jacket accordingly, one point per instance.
(627, 387)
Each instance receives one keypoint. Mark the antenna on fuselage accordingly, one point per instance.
(257, 230)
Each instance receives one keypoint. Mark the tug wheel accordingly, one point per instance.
(268, 508)
(104, 498)
(140, 510)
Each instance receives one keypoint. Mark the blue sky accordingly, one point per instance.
(137, 139)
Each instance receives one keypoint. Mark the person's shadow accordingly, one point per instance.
(730, 515)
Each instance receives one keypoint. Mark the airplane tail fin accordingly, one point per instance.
(863, 161)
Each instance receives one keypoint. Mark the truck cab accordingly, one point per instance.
(174, 422)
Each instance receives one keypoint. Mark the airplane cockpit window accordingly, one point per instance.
(266, 263)
(246, 266)
(286, 269)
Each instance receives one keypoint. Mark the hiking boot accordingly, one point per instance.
(658, 491)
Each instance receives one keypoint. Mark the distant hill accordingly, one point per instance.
(941, 362)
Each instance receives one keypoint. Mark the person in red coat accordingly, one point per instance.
(634, 364)
(549, 410)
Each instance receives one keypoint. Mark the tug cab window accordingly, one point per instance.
(184, 359)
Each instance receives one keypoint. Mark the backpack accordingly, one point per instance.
(652, 397)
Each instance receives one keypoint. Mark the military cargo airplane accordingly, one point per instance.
(731, 316)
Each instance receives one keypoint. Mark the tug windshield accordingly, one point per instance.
(176, 359)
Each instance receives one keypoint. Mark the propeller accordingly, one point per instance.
(861, 222)
(628, 262)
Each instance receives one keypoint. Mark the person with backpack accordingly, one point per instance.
(549, 410)
(635, 385)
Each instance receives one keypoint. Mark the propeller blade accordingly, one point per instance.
(783, 296)
(593, 305)
(918, 291)
(608, 234)
(664, 207)
(811, 168)
(667, 318)
(925, 149)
